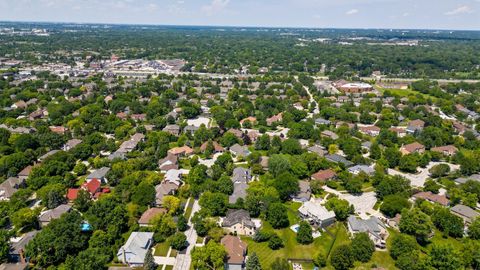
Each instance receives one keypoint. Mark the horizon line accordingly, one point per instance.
(236, 26)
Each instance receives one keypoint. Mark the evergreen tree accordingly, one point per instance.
(253, 263)
(149, 263)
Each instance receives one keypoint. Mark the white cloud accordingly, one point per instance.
(459, 10)
(352, 11)
(215, 6)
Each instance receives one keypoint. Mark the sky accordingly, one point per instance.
(403, 14)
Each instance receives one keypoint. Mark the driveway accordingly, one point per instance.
(184, 259)
(418, 179)
(362, 203)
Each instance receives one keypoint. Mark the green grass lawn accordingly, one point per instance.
(292, 249)
(189, 208)
(161, 249)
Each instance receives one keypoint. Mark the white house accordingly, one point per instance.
(135, 249)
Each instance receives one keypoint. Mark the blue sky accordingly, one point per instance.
(423, 14)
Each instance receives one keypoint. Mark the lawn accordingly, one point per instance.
(404, 92)
(292, 249)
(189, 208)
(161, 249)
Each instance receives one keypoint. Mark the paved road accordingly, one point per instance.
(362, 203)
(418, 179)
(184, 259)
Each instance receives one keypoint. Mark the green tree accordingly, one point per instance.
(209, 257)
(474, 229)
(280, 264)
(24, 219)
(52, 195)
(291, 146)
(4, 245)
(275, 242)
(320, 259)
(144, 194)
(341, 208)
(277, 215)
(408, 163)
(83, 201)
(415, 222)
(342, 257)
(215, 204)
(439, 170)
(362, 247)
(402, 244)
(286, 185)
(253, 262)
(149, 262)
(392, 155)
(278, 164)
(178, 241)
(304, 234)
(445, 257)
(394, 204)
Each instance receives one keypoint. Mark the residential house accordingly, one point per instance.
(170, 162)
(431, 197)
(324, 175)
(58, 129)
(339, 159)
(217, 148)
(250, 119)
(238, 133)
(99, 174)
(23, 174)
(17, 247)
(172, 129)
(135, 249)
(321, 121)
(239, 150)
(319, 150)
(401, 132)
(412, 148)
(165, 188)
(10, 187)
(447, 150)
(138, 117)
(370, 130)
(70, 144)
(330, 134)
(361, 168)
(48, 154)
(373, 227)
(274, 119)
(304, 193)
(415, 125)
(238, 222)
(463, 180)
(316, 214)
(181, 151)
(130, 145)
(236, 252)
(240, 179)
(149, 214)
(466, 213)
(93, 187)
(190, 129)
(19, 105)
(47, 216)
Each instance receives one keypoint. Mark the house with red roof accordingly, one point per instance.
(93, 187)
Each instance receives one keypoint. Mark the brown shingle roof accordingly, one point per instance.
(324, 175)
(151, 213)
(236, 249)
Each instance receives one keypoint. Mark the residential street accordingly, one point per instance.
(184, 259)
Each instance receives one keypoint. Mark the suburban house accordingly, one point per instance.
(447, 150)
(48, 154)
(23, 174)
(250, 119)
(412, 148)
(361, 168)
(324, 175)
(401, 132)
(181, 151)
(135, 249)
(149, 214)
(17, 247)
(236, 252)
(431, 197)
(10, 186)
(415, 125)
(330, 134)
(466, 213)
(93, 187)
(217, 148)
(370, 130)
(51, 214)
(316, 214)
(339, 159)
(165, 188)
(170, 162)
(321, 121)
(305, 192)
(239, 150)
(238, 222)
(274, 119)
(240, 179)
(172, 129)
(130, 145)
(373, 227)
(70, 144)
(463, 180)
(99, 174)
(319, 150)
